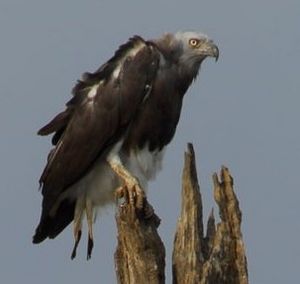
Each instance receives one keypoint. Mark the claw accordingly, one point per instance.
(83, 203)
(139, 195)
(133, 195)
(119, 193)
(89, 217)
(79, 209)
(131, 191)
(77, 239)
(90, 248)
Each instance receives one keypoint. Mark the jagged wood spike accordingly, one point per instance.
(187, 260)
(219, 258)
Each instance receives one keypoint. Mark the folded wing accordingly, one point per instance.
(96, 118)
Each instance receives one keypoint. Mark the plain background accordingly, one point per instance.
(242, 112)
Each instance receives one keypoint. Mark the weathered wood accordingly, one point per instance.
(216, 257)
(219, 257)
(188, 243)
(140, 254)
(227, 262)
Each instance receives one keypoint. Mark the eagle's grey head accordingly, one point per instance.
(192, 48)
(188, 50)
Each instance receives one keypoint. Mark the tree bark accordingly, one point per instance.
(140, 253)
(188, 253)
(218, 257)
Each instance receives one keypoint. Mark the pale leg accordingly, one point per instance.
(90, 220)
(77, 223)
(135, 193)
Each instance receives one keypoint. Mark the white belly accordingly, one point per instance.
(101, 182)
(144, 164)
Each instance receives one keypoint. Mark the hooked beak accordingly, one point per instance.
(208, 48)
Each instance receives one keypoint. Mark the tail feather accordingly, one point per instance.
(50, 227)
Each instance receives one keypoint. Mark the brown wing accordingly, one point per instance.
(98, 115)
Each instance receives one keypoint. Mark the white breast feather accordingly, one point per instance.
(145, 164)
(101, 182)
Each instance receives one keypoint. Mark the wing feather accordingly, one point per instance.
(92, 124)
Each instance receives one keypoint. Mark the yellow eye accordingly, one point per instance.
(194, 42)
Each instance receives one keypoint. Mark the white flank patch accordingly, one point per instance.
(135, 50)
(100, 183)
(131, 53)
(93, 91)
(117, 71)
(145, 164)
(114, 152)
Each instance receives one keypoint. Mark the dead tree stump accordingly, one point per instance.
(140, 254)
(217, 257)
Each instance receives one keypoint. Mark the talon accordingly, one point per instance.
(131, 194)
(119, 192)
(140, 196)
(77, 224)
(131, 191)
(89, 216)
(134, 195)
(135, 192)
(90, 248)
(77, 239)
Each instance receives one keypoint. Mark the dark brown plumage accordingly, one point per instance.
(123, 114)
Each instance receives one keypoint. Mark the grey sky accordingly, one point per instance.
(242, 112)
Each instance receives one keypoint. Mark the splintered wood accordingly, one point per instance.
(219, 256)
(216, 256)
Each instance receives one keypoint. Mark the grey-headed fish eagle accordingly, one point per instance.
(115, 129)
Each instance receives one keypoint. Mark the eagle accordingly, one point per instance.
(113, 133)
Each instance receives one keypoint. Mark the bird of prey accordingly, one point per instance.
(114, 131)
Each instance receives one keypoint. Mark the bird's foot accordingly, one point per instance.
(136, 198)
(132, 193)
